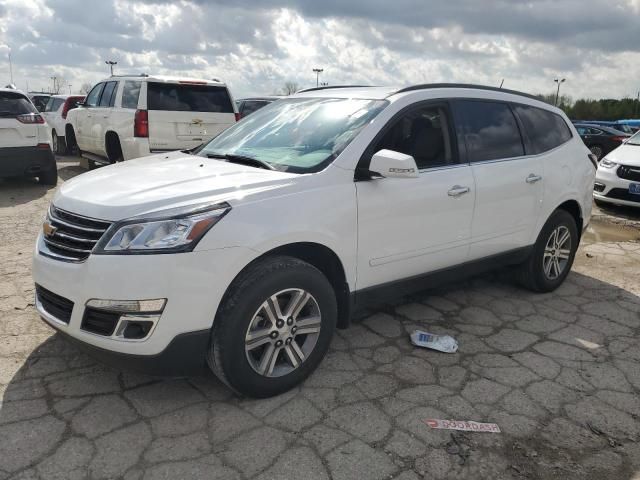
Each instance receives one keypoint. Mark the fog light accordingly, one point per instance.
(133, 328)
(125, 306)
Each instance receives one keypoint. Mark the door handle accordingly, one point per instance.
(532, 178)
(457, 190)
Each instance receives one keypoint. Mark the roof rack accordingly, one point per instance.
(332, 86)
(132, 75)
(465, 85)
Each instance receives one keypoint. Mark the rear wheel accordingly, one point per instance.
(58, 144)
(70, 141)
(552, 255)
(273, 327)
(597, 151)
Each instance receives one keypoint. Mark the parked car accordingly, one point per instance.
(618, 125)
(55, 113)
(618, 175)
(247, 106)
(125, 117)
(599, 139)
(39, 100)
(249, 251)
(25, 149)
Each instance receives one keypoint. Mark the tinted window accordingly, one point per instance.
(108, 93)
(40, 101)
(188, 98)
(12, 104)
(422, 133)
(490, 130)
(545, 129)
(130, 94)
(251, 106)
(94, 95)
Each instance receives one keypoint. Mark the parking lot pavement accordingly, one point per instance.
(559, 373)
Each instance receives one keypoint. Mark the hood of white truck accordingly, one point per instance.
(159, 182)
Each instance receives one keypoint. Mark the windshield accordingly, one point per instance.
(634, 140)
(298, 135)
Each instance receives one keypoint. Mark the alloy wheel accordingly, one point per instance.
(283, 332)
(557, 252)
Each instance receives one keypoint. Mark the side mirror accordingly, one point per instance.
(389, 163)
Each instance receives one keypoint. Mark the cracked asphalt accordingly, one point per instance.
(559, 373)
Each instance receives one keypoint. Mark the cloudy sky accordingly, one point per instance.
(257, 45)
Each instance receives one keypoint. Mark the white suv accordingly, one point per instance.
(249, 251)
(25, 148)
(55, 113)
(134, 116)
(618, 175)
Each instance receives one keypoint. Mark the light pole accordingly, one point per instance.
(54, 78)
(69, 89)
(559, 82)
(318, 71)
(111, 63)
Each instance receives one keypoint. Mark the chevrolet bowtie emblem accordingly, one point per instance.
(197, 121)
(48, 229)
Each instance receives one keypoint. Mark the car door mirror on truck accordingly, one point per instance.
(389, 163)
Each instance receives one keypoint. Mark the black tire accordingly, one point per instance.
(58, 144)
(226, 355)
(70, 141)
(114, 150)
(49, 176)
(531, 273)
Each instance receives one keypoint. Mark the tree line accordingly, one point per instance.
(590, 109)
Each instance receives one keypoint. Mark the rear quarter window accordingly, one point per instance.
(188, 98)
(13, 104)
(545, 130)
(130, 94)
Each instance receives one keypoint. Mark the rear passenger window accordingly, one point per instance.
(130, 94)
(545, 130)
(108, 95)
(489, 129)
(180, 97)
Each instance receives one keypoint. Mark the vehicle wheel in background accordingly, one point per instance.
(70, 141)
(597, 151)
(114, 150)
(273, 327)
(49, 176)
(552, 255)
(58, 144)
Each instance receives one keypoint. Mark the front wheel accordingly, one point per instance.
(273, 327)
(552, 255)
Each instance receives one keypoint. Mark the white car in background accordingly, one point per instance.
(55, 113)
(25, 148)
(125, 117)
(618, 175)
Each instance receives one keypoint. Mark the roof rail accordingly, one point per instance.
(133, 75)
(332, 86)
(465, 85)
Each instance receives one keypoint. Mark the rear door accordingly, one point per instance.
(509, 184)
(101, 116)
(184, 115)
(13, 132)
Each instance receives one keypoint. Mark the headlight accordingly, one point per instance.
(604, 163)
(170, 231)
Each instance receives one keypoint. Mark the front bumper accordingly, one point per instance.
(614, 189)
(193, 284)
(25, 161)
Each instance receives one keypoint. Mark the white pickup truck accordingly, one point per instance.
(125, 117)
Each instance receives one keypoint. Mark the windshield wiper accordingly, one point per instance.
(242, 159)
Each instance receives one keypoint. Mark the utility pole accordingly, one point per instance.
(111, 63)
(69, 89)
(53, 90)
(559, 82)
(318, 71)
(10, 67)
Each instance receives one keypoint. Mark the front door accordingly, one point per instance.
(84, 119)
(411, 226)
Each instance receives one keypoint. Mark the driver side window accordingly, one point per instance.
(422, 133)
(94, 95)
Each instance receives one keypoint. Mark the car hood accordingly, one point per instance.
(626, 155)
(163, 181)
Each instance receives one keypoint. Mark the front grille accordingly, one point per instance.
(629, 173)
(74, 236)
(100, 322)
(623, 194)
(58, 307)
